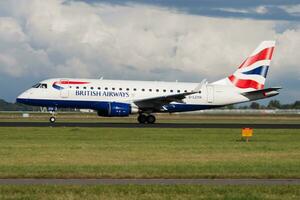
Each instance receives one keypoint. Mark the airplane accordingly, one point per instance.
(121, 98)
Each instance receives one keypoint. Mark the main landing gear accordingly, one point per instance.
(143, 119)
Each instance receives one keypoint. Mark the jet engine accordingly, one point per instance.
(115, 109)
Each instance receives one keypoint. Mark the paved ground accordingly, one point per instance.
(158, 125)
(149, 181)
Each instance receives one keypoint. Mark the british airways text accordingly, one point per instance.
(101, 93)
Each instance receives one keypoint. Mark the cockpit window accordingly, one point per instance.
(40, 85)
(43, 85)
(36, 85)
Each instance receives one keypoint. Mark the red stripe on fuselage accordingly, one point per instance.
(71, 82)
(241, 83)
(265, 54)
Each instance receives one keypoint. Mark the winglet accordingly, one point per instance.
(198, 88)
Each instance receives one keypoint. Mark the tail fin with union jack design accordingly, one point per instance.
(251, 74)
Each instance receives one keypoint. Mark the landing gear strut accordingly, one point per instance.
(143, 119)
(52, 119)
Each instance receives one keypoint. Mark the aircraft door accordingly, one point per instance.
(210, 93)
(64, 93)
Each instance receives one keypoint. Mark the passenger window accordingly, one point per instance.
(185, 90)
(106, 88)
(84, 87)
(92, 88)
(113, 88)
(178, 91)
(127, 89)
(99, 88)
(143, 89)
(77, 87)
(171, 90)
(120, 89)
(164, 90)
(157, 90)
(134, 89)
(70, 86)
(150, 90)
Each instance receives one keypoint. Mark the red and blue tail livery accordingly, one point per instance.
(121, 98)
(252, 73)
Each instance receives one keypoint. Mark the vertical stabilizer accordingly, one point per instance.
(251, 74)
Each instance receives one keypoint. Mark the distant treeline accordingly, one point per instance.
(6, 106)
(273, 104)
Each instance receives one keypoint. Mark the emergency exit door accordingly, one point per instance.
(210, 93)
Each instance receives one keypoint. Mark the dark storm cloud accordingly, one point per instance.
(216, 8)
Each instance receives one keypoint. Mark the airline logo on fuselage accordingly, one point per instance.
(57, 84)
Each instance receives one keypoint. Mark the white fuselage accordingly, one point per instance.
(94, 90)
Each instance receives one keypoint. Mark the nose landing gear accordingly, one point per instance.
(143, 119)
(52, 119)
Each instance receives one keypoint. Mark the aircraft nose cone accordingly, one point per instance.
(22, 98)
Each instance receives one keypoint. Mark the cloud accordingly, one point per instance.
(55, 38)
(17, 57)
(261, 10)
(292, 10)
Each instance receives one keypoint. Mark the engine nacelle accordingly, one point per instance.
(114, 109)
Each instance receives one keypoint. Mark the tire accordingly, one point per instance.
(151, 119)
(52, 119)
(142, 119)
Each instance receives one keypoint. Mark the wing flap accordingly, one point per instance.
(158, 102)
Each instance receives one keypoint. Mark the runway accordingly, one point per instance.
(150, 181)
(157, 125)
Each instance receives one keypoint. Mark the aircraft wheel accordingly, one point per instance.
(142, 119)
(52, 119)
(151, 119)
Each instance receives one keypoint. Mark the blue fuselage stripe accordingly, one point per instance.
(98, 105)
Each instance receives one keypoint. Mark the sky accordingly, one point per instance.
(184, 40)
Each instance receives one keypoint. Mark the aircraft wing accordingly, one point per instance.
(157, 102)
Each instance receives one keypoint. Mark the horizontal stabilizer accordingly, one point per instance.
(263, 90)
(262, 93)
